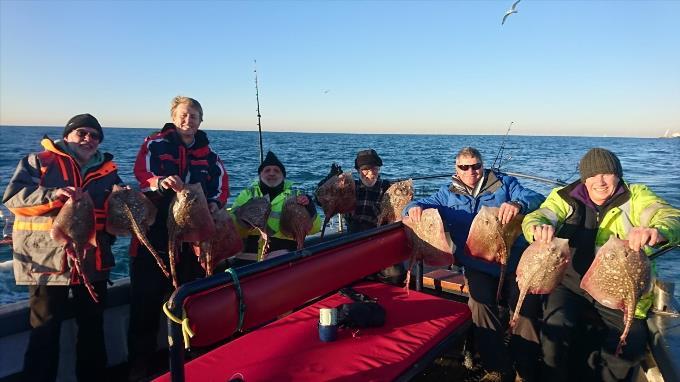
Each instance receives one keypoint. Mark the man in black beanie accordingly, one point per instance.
(369, 189)
(272, 183)
(68, 168)
(588, 212)
(369, 192)
(83, 120)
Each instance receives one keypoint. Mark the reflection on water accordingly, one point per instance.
(308, 157)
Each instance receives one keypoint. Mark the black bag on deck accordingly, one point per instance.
(364, 312)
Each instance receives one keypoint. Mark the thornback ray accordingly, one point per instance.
(295, 221)
(130, 212)
(189, 220)
(491, 241)
(74, 229)
(225, 243)
(337, 195)
(428, 241)
(395, 199)
(255, 213)
(540, 270)
(617, 278)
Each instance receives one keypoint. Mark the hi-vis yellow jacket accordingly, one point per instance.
(30, 195)
(273, 222)
(642, 208)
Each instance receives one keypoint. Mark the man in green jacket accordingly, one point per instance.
(588, 212)
(272, 182)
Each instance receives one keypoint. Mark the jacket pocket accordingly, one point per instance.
(44, 254)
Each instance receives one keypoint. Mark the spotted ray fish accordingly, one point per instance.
(491, 241)
(255, 213)
(397, 196)
(189, 220)
(130, 212)
(336, 196)
(295, 221)
(74, 229)
(428, 241)
(225, 243)
(617, 278)
(540, 270)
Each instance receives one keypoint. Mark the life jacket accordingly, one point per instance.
(37, 260)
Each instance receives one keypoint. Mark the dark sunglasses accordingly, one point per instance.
(93, 135)
(466, 167)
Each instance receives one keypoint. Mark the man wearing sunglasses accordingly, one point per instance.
(41, 185)
(471, 188)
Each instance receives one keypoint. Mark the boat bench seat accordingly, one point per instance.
(288, 348)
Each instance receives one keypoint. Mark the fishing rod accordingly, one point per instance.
(662, 251)
(259, 124)
(499, 155)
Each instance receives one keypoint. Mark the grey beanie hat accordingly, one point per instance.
(599, 161)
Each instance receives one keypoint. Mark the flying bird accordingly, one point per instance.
(510, 11)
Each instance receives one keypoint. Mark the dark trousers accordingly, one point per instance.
(149, 289)
(565, 310)
(490, 328)
(49, 306)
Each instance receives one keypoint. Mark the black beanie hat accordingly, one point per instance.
(367, 158)
(271, 160)
(599, 161)
(83, 120)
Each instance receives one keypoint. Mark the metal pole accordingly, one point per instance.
(176, 347)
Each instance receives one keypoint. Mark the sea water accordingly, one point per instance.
(308, 157)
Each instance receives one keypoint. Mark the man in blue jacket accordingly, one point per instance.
(473, 187)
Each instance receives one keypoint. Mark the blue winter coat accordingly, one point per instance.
(458, 208)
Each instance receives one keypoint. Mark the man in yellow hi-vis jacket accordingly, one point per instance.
(272, 182)
(588, 212)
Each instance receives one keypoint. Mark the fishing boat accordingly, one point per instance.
(260, 322)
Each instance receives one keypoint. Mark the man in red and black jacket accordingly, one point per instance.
(41, 185)
(179, 154)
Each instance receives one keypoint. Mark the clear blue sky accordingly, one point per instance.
(555, 68)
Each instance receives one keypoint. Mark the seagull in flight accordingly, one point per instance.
(510, 11)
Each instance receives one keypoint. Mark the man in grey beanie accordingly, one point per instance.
(588, 212)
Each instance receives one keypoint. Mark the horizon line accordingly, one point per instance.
(355, 133)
